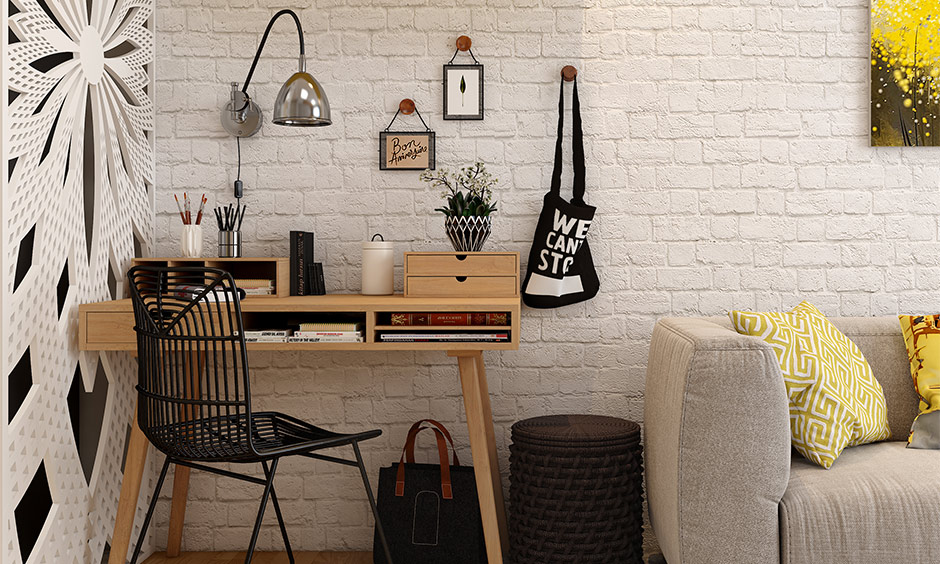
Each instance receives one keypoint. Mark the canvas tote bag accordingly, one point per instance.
(430, 512)
(561, 270)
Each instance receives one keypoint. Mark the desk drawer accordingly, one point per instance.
(462, 286)
(461, 264)
(110, 328)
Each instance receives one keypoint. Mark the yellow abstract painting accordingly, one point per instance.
(905, 73)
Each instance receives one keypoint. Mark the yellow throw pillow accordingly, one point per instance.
(922, 338)
(835, 400)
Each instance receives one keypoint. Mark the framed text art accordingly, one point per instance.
(406, 150)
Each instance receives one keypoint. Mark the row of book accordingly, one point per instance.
(450, 318)
(310, 333)
(443, 337)
(306, 275)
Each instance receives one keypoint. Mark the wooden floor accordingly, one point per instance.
(263, 558)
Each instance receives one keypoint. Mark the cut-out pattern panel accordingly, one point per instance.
(86, 412)
(77, 137)
(31, 512)
(21, 380)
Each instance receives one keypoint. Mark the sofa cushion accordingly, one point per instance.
(835, 400)
(877, 504)
(922, 338)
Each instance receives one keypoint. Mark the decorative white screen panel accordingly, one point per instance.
(77, 205)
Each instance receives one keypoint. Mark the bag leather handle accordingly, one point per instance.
(447, 491)
(577, 146)
(412, 433)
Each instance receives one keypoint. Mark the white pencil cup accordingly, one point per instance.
(191, 241)
(378, 267)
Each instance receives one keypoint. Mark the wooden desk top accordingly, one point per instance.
(109, 325)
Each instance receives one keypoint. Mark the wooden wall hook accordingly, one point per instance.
(568, 72)
(463, 43)
(406, 106)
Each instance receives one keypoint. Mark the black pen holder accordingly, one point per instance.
(230, 244)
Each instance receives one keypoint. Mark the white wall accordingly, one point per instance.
(727, 147)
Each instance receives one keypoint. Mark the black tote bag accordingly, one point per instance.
(560, 269)
(430, 512)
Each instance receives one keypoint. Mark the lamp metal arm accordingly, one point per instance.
(264, 38)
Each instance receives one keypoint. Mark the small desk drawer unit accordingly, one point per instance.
(461, 274)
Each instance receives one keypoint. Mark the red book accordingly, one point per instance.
(444, 319)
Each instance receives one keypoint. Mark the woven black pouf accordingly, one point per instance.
(576, 490)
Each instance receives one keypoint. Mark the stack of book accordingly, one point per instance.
(255, 286)
(344, 332)
(267, 335)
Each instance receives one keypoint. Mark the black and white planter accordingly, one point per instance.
(467, 234)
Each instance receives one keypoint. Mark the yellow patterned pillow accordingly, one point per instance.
(922, 337)
(835, 400)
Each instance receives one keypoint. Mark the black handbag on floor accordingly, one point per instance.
(430, 512)
(560, 269)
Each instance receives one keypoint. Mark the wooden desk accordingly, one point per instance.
(108, 326)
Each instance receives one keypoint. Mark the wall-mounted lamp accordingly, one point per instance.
(301, 101)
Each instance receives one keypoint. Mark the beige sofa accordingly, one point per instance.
(723, 484)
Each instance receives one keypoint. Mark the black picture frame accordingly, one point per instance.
(430, 143)
(448, 108)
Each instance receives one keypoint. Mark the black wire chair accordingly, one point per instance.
(194, 393)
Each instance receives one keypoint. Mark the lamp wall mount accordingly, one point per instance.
(241, 116)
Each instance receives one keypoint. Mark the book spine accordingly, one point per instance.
(327, 333)
(321, 283)
(308, 264)
(294, 264)
(445, 319)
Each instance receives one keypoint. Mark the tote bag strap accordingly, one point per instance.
(577, 146)
(410, 441)
(447, 490)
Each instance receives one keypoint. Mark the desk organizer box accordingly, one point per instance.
(576, 490)
(464, 275)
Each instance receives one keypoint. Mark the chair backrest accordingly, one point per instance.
(194, 399)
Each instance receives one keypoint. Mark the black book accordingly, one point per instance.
(297, 265)
(321, 284)
(308, 264)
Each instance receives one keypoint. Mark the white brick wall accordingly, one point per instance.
(727, 147)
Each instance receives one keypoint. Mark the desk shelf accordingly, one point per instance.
(110, 325)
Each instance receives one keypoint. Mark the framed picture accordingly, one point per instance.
(406, 150)
(463, 91)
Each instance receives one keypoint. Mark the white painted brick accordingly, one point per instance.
(728, 158)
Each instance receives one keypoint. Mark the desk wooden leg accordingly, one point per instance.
(130, 491)
(174, 536)
(476, 398)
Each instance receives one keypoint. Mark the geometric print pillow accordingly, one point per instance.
(922, 338)
(835, 400)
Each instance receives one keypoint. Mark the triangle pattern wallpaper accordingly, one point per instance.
(77, 203)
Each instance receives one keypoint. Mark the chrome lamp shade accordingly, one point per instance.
(302, 102)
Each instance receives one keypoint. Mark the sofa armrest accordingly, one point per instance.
(717, 444)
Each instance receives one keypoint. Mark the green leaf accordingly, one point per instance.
(463, 85)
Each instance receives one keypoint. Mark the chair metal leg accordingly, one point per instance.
(153, 504)
(264, 503)
(375, 510)
(277, 511)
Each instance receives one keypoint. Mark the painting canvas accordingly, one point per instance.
(406, 150)
(463, 92)
(905, 73)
